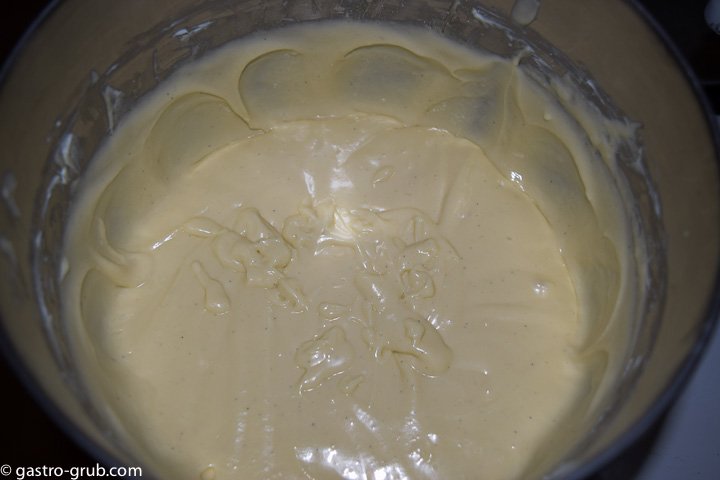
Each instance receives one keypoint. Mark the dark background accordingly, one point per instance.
(29, 438)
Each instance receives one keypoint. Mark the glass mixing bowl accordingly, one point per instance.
(85, 64)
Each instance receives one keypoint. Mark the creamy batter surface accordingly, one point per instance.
(347, 251)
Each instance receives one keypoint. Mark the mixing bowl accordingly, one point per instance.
(86, 64)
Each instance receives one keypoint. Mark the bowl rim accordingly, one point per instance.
(8, 352)
(664, 402)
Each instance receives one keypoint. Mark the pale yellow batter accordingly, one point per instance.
(348, 251)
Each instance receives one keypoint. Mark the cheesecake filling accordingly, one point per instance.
(347, 250)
